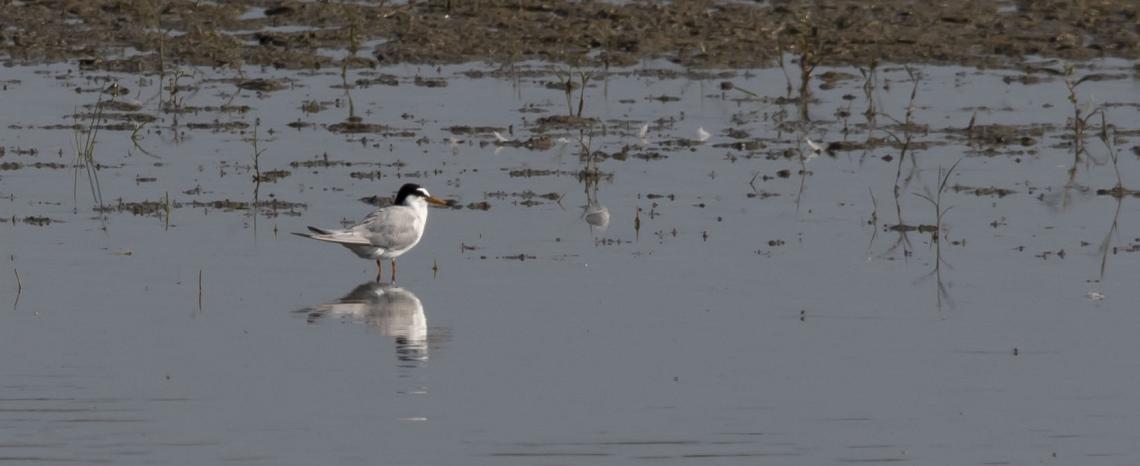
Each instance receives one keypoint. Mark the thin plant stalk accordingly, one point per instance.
(85, 155)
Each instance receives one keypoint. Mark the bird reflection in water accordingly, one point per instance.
(598, 216)
(595, 214)
(393, 311)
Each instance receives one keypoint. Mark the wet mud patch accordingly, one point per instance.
(761, 194)
(982, 191)
(1118, 192)
(563, 122)
(534, 172)
(429, 82)
(225, 108)
(904, 228)
(539, 143)
(34, 220)
(1002, 135)
(463, 130)
(323, 161)
(5, 166)
(127, 117)
(271, 176)
(525, 198)
(371, 176)
(116, 105)
(139, 208)
(220, 125)
(261, 85)
(355, 125)
(267, 207)
(479, 205)
(382, 80)
(745, 146)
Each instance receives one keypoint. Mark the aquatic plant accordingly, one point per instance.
(84, 142)
(936, 235)
(1080, 117)
(936, 199)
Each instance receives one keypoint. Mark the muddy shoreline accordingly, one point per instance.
(146, 36)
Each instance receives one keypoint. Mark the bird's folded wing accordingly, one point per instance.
(342, 237)
(390, 228)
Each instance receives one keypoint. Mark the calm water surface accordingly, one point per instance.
(726, 311)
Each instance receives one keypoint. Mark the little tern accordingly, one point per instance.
(387, 232)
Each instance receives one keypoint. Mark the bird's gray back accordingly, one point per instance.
(393, 228)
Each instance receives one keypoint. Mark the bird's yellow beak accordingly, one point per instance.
(437, 201)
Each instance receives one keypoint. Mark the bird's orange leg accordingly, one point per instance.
(379, 271)
(393, 270)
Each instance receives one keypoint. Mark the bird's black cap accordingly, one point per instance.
(410, 189)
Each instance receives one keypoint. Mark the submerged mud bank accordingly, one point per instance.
(142, 36)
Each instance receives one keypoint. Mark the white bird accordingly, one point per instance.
(387, 232)
(816, 149)
(641, 133)
(499, 137)
(702, 135)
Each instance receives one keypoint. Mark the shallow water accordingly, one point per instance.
(725, 314)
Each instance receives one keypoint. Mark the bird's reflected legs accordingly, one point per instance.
(379, 271)
(393, 270)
